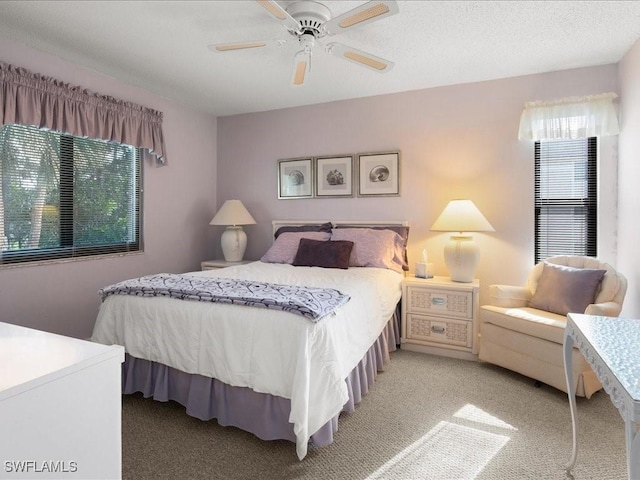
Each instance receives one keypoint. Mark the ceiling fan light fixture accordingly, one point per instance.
(308, 21)
(364, 15)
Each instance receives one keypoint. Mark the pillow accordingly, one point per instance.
(566, 289)
(285, 247)
(316, 253)
(400, 230)
(372, 248)
(324, 227)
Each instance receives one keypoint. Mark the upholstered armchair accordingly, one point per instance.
(522, 328)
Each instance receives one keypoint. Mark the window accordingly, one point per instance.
(566, 198)
(63, 196)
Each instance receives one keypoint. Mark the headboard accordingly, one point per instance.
(355, 223)
(361, 223)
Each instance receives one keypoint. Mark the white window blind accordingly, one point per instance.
(565, 198)
(63, 196)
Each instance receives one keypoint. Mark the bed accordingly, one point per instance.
(274, 372)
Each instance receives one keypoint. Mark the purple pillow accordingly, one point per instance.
(285, 247)
(316, 253)
(372, 248)
(400, 230)
(563, 289)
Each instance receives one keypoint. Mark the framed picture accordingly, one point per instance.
(334, 176)
(295, 178)
(379, 174)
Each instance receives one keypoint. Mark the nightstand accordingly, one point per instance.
(215, 264)
(440, 316)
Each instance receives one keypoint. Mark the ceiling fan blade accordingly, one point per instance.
(280, 14)
(301, 64)
(226, 47)
(359, 57)
(366, 13)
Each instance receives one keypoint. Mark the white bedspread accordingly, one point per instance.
(269, 351)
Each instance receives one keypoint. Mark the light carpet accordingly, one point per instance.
(425, 417)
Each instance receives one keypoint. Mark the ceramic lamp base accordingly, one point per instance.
(461, 256)
(234, 243)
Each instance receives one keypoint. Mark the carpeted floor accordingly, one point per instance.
(426, 417)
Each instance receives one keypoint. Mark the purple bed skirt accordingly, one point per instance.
(264, 415)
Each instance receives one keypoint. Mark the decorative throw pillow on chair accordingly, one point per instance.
(563, 289)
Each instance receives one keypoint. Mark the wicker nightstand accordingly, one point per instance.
(440, 316)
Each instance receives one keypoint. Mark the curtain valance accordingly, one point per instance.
(32, 99)
(570, 118)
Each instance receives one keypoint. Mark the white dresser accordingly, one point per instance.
(60, 406)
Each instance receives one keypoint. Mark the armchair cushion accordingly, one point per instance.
(562, 289)
(509, 296)
(528, 321)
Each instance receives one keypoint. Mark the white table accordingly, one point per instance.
(612, 348)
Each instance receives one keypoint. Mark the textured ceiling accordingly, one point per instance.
(162, 46)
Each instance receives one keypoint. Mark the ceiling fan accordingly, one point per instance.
(308, 21)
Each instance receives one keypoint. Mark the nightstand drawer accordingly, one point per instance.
(439, 330)
(433, 301)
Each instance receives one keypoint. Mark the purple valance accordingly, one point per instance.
(32, 99)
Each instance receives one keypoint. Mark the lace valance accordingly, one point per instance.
(32, 99)
(570, 118)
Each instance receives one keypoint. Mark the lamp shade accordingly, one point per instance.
(232, 212)
(461, 216)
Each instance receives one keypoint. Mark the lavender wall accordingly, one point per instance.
(456, 142)
(179, 202)
(629, 173)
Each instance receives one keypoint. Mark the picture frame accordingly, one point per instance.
(334, 176)
(379, 174)
(295, 178)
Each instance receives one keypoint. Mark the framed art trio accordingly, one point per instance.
(373, 175)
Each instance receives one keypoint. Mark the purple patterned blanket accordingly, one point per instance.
(311, 302)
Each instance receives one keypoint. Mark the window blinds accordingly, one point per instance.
(565, 198)
(64, 196)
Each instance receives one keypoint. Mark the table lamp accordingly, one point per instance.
(233, 241)
(461, 253)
